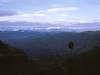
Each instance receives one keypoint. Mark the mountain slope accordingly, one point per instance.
(87, 63)
(9, 54)
(57, 44)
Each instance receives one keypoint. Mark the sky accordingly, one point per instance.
(50, 10)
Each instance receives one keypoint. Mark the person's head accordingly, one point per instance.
(71, 45)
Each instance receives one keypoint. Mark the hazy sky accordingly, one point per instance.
(49, 10)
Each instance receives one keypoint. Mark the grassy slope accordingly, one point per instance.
(84, 64)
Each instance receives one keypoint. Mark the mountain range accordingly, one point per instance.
(87, 63)
(47, 53)
(39, 26)
(43, 46)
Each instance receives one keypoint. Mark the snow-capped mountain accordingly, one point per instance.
(30, 26)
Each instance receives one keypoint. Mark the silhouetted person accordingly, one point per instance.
(71, 45)
(70, 60)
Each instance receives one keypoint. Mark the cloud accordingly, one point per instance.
(4, 1)
(7, 13)
(93, 2)
(51, 28)
(63, 15)
(7, 1)
(32, 15)
(28, 17)
(68, 9)
(47, 15)
(39, 12)
(55, 5)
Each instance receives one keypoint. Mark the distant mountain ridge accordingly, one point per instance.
(57, 44)
(38, 26)
(14, 35)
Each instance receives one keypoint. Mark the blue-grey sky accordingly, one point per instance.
(50, 10)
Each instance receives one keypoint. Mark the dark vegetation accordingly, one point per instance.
(41, 47)
(14, 61)
(7, 52)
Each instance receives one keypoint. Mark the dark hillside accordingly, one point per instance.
(57, 44)
(9, 54)
(87, 63)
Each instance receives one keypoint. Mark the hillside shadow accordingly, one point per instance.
(15, 62)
